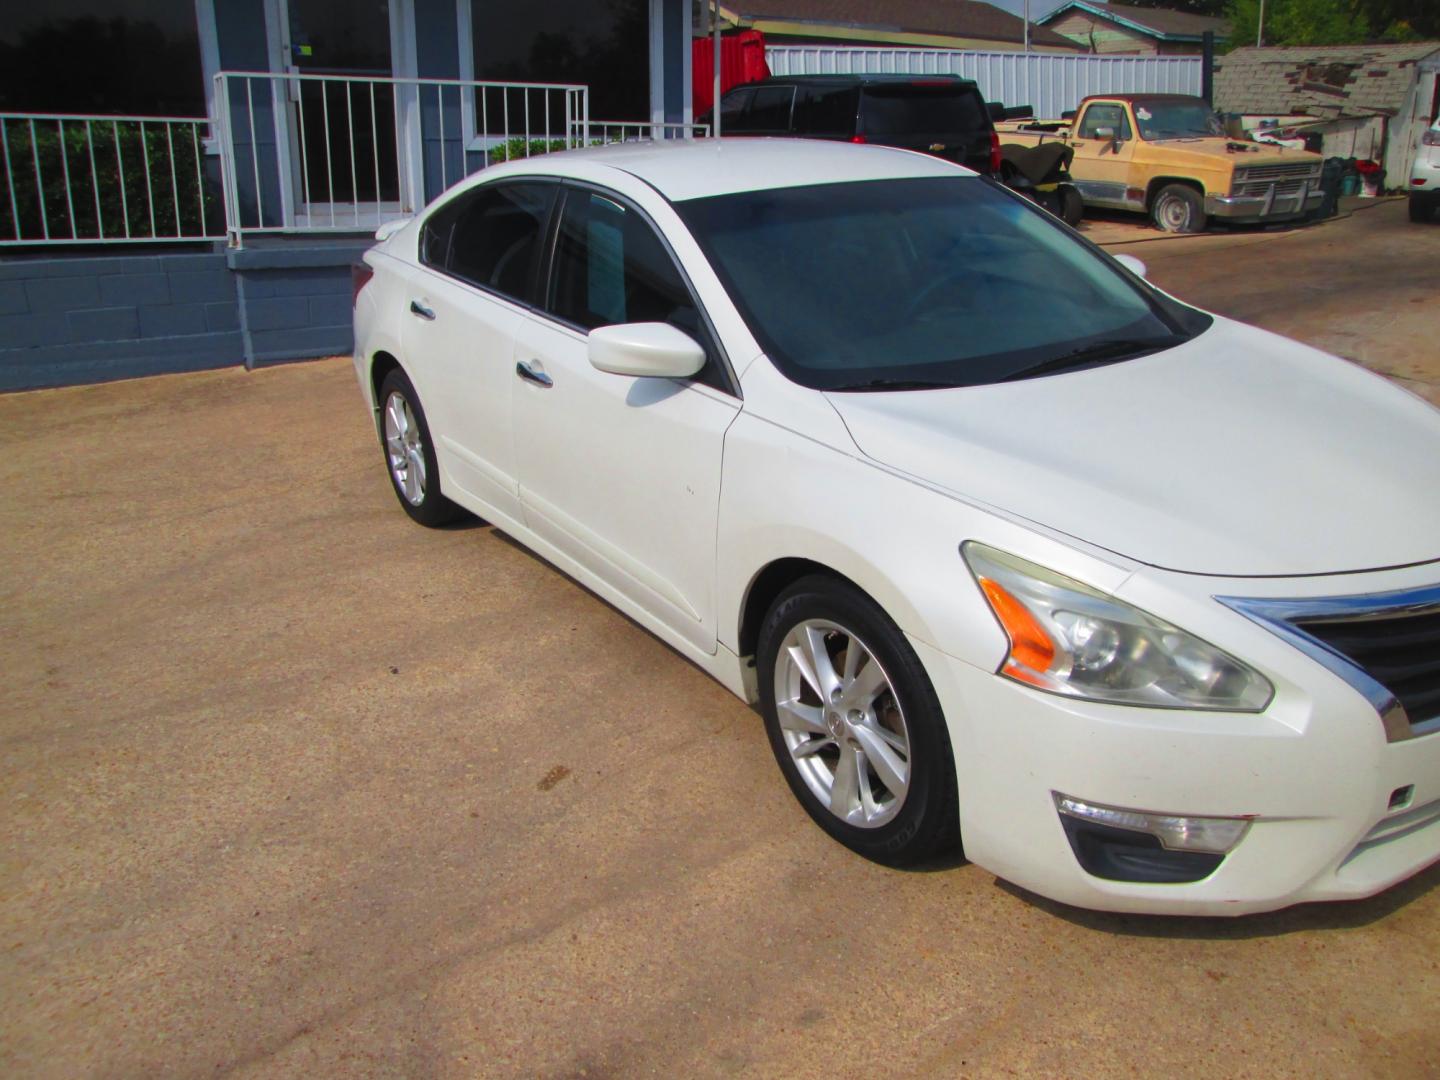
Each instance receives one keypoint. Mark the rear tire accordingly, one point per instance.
(1072, 206)
(1422, 207)
(1178, 208)
(855, 725)
(410, 454)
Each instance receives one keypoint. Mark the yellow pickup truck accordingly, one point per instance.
(1166, 155)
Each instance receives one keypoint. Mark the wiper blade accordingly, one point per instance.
(1102, 352)
(894, 384)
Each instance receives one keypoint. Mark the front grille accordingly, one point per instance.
(1283, 188)
(1288, 170)
(1398, 649)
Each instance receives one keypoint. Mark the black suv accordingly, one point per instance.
(942, 115)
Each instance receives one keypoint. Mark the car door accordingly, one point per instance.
(478, 262)
(622, 473)
(1101, 169)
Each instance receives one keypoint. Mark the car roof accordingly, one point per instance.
(860, 80)
(1145, 97)
(683, 169)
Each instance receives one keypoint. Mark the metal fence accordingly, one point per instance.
(604, 132)
(71, 179)
(331, 153)
(1050, 82)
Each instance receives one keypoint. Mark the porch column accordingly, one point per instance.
(670, 99)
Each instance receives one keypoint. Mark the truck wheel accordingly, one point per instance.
(1178, 209)
(1422, 207)
(1072, 206)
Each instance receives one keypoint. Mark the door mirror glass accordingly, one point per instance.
(1131, 263)
(648, 350)
(1105, 133)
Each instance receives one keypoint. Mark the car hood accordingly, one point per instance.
(1238, 453)
(1238, 152)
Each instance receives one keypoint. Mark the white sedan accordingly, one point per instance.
(1007, 544)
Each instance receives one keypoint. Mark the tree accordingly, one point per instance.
(1298, 22)
(1213, 8)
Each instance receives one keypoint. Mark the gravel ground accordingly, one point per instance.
(295, 788)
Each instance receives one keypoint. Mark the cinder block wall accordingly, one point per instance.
(67, 320)
(78, 320)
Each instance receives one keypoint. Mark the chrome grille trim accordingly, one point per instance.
(1290, 170)
(1279, 615)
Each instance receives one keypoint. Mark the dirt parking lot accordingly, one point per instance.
(293, 787)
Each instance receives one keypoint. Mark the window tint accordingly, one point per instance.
(824, 110)
(919, 279)
(914, 109)
(732, 107)
(1107, 116)
(490, 237)
(769, 111)
(611, 267)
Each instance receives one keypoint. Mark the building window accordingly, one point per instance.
(600, 43)
(117, 57)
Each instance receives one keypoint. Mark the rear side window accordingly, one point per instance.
(824, 110)
(769, 112)
(490, 237)
(911, 109)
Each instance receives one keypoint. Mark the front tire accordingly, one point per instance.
(1072, 206)
(410, 453)
(1178, 209)
(1422, 207)
(855, 725)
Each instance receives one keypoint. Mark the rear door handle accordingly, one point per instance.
(417, 308)
(529, 374)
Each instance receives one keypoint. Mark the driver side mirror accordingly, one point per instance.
(1108, 134)
(645, 350)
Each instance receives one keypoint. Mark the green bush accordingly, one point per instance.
(519, 147)
(98, 207)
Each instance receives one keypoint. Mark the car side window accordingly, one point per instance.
(1106, 116)
(732, 108)
(824, 110)
(490, 236)
(769, 112)
(611, 267)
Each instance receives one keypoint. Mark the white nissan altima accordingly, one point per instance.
(1008, 545)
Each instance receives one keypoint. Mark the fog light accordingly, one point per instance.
(1214, 835)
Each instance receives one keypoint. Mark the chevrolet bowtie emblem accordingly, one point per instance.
(936, 147)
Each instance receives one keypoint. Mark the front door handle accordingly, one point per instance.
(417, 308)
(529, 374)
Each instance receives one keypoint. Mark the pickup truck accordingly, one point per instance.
(1166, 155)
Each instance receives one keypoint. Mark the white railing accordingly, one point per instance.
(331, 153)
(71, 179)
(604, 132)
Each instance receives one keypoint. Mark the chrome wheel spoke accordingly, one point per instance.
(794, 716)
(814, 746)
(865, 686)
(892, 769)
(845, 788)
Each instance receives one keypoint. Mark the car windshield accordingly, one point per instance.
(912, 283)
(1176, 120)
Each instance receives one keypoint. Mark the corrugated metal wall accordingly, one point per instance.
(1051, 82)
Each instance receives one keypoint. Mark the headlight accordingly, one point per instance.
(1070, 639)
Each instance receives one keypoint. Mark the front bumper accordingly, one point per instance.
(1267, 207)
(1314, 774)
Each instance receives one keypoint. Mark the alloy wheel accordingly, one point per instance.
(842, 723)
(404, 450)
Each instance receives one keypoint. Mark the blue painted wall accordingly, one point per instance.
(71, 320)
